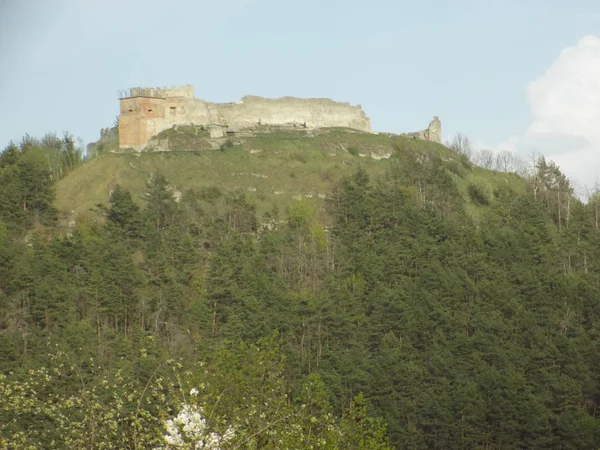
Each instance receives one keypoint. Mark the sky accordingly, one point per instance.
(521, 75)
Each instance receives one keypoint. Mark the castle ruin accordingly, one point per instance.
(145, 112)
(433, 132)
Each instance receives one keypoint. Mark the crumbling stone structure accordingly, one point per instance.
(145, 112)
(433, 132)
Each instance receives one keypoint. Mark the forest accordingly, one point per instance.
(421, 317)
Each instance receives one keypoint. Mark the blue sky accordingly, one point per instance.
(474, 63)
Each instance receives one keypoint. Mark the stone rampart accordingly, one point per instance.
(181, 91)
(146, 112)
(311, 113)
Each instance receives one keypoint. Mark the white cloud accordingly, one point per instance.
(565, 109)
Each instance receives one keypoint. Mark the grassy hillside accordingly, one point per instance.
(271, 168)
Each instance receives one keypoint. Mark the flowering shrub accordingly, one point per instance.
(189, 430)
(238, 399)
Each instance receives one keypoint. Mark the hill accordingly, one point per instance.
(270, 168)
(456, 305)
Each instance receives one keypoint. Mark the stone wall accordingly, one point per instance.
(140, 119)
(182, 91)
(433, 132)
(312, 113)
(145, 112)
(148, 111)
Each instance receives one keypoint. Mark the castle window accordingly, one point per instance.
(131, 110)
(173, 107)
(149, 110)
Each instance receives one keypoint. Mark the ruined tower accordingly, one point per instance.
(434, 131)
(145, 112)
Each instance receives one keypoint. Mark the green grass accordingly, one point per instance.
(272, 168)
(186, 137)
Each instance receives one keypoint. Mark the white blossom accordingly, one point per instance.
(189, 427)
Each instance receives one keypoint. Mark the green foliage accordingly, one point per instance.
(161, 206)
(456, 330)
(210, 193)
(478, 194)
(268, 417)
(27, 187)
(123, 212)
(360, 431)
(188, 137)
(73, 404)
(464, 160)
(457, 168)
(301, 214)
(241, 390)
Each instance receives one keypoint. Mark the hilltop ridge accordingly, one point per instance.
(272, 168)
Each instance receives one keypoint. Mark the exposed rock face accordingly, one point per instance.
(145, 112)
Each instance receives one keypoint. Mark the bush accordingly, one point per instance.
(210, 193)
(455, 168)
(327, 175)
(478, 194)
(464, 160)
